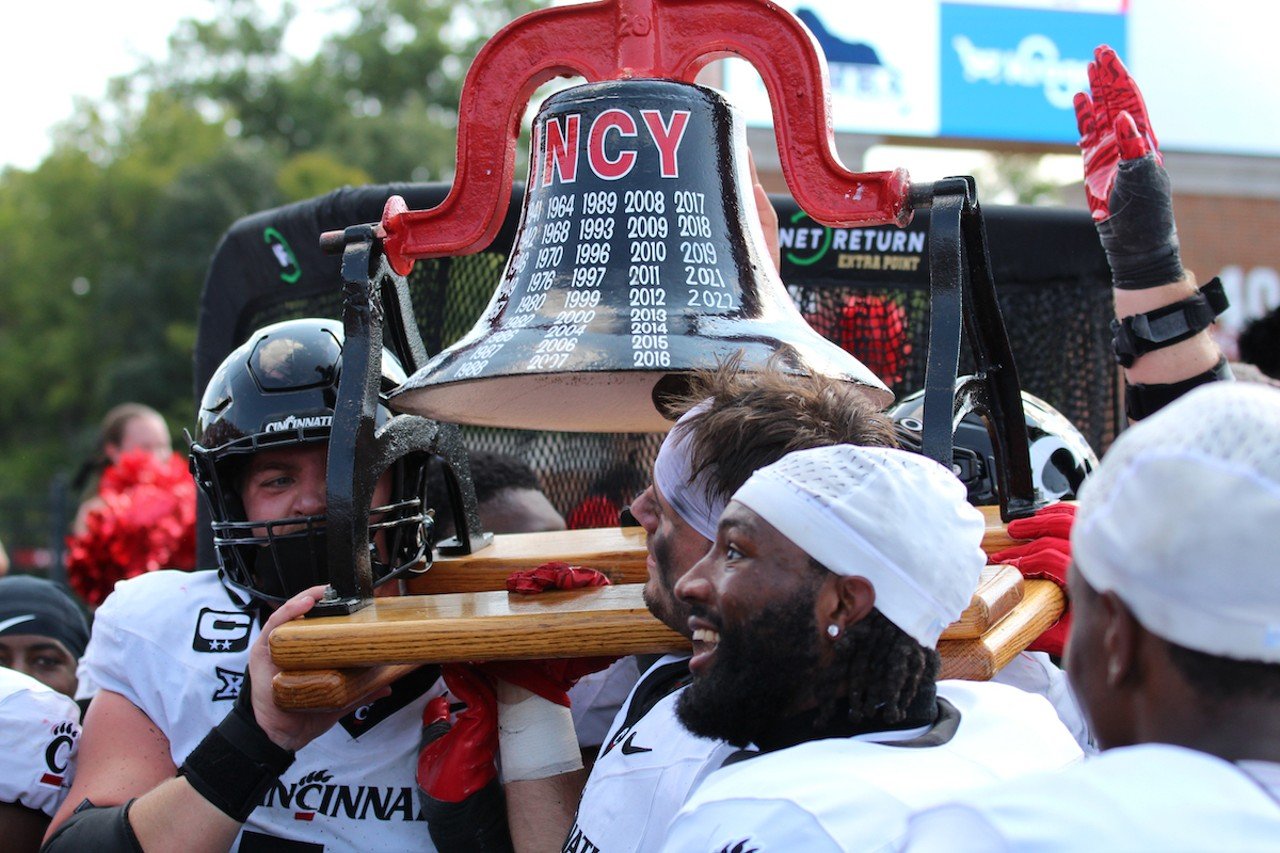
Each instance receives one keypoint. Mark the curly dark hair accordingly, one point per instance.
(757, 418)
(491, 473)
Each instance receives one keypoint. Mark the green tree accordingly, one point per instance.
(107, 240)
(381, 97)
(1015, 178)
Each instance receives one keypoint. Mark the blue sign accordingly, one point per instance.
(1011, 73)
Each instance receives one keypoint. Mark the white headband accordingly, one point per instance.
(690, 497)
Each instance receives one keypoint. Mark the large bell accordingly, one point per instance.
(640, 257)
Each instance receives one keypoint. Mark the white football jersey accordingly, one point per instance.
(598, 696)
(856, 793)
(1034, 672)
(39, 732)
(1137, 798)
(646, 769)
(176, 645)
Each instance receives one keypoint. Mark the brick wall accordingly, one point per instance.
(1219, 231)
(1237, 239)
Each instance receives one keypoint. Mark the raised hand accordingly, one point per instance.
(1127, 187)
(1114, 125)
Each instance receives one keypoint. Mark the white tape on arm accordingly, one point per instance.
(535, 736)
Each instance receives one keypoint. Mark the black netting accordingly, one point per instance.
(1056, 334)
(448, 295)
(1051, 279)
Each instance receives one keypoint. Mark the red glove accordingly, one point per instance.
(459, 791)
(554, 575)
(1055, 520)
(1113, 124)
(459, 762)
(551, 679)
(1045, 557)
(1126, 185)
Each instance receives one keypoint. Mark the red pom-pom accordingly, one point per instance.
(145, 520)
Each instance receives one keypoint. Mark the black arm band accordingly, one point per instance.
(102, 829)
(1143, 400)
(236, 763)
(1165, 326)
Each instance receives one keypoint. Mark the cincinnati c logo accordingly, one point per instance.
(57, 755)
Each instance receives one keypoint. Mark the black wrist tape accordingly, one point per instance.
(1168, 325)
(102, 829)
(477, 824)
(1140, 236)
(1143, 400)
(235, 764)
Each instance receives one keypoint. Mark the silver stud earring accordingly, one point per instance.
(833, 631)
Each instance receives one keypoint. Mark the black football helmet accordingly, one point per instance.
(279, 389)
(1061, 458)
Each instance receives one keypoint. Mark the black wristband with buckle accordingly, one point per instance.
(1170, 324)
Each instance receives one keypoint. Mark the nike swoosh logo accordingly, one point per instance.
(628, 748)
(16, 620)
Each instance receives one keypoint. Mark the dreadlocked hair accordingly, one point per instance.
(888, 674)
(756, 418)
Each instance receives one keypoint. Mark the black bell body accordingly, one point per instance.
(640, 257)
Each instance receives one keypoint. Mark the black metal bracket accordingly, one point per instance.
(963, 296)
(359, 452)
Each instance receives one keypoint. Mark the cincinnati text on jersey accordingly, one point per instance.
(317, 795)
(577, 842)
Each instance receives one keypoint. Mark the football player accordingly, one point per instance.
(1173, 579)
(1175, 653)
(815, 618)
(39, 729)
(735, 423)
(43, 631)
(184, 746)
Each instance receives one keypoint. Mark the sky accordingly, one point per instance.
(62, 51)
(52, 52)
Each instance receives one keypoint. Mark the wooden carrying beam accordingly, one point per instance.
(458, 611)
(981, 658)
(618, 552)
(327, 662)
